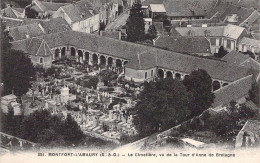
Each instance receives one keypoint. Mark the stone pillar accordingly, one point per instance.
(59, 52)
(164, 73)
(84, 57)
(99, 61)
(76, 53)
(106, 60)
(90, 58)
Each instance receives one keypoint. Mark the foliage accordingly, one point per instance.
(251, 54)
(44, 128)
(221, 52)
(152, 32)
(107, 76)
(17, 68)
(199, 84)
(165, 108)
(254, 94)
(102, 26)
(135, 24)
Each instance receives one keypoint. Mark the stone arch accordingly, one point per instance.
(160, 73)
(118, 63)
(169, 75)
(125, 62)
(224, 84)
(177, 76)
(110, 61)
(216, 85)
(63, 52)
(73, 51)
(102, 60)
(185, 76)
(56, 53)
(87, 56)
(95, 58)
(80, 54)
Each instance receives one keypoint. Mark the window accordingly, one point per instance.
(41, 60)
(145, 75)
(225, 43)
(152, 73)
(217, 42)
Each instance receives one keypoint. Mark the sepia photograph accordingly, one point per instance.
(130, 81)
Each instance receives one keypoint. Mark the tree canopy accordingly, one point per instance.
(17, 68)
(162, 104)
(152, 32)
(135, 24)
(199, 84)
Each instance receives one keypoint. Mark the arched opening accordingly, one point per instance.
(215, 85)
(95, 58)
(80, 55)
(110, 61)
(224, 84)
(57, 53)
(125, 62)
(102, 60)
(160, 73)
(186, 76)
(169, 74)
(72, 52)
(87, 56)
(63, 52)
(178, 76)
(118, 63)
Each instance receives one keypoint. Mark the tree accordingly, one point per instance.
(161, 103)
(254, 93)
(221, 52)
(102, 26)
(72, 134)
(135, 24)
(18, 70)
(152, 32)
(199, 84)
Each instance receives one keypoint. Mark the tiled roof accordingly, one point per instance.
(39, 28)
(157, 8)
(233, 91)
(30, 21)
(252, 106)
(12, 22)
(184, 44)
(256, 35)
(250, 41)
(79, 11)
(235, 57)
(252, 126)
(8, 12)
(148, 2)
(249, 3)
(136, 52)
(20, 32)
(188, 7)
(51, 6)
(55, 25)
(231, 31)
(111, 34)
(33, 46)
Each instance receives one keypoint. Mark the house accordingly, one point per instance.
(249, 44)
(12, 12)
(44, 9)
(184, 44)
(38, 28)
(226, 36)
(233, 14)
(37, 49)
(176, 9)
(111, 7)
(139, 62)
(240, 59)
(236, 91)
(249, 135)
(81, 16)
